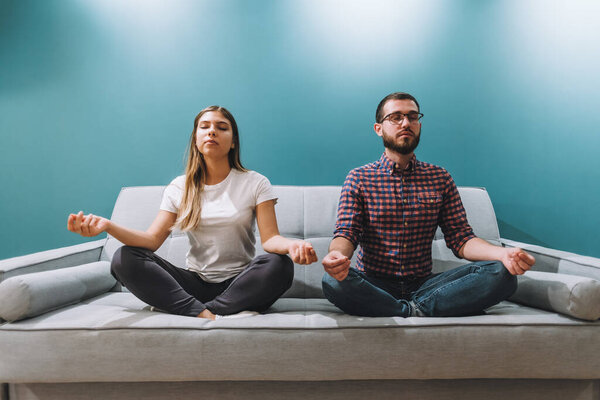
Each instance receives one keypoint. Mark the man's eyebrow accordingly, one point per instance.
(403, 113)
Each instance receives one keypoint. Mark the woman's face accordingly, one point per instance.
(214, 135)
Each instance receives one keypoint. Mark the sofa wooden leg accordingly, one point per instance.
(4, 391)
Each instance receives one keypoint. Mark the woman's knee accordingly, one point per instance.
(280, 268)
(124, 261)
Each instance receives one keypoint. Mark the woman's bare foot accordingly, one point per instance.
(207, 314)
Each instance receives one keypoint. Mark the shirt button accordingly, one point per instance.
(404, 246)
(402, 267)
(406, 224)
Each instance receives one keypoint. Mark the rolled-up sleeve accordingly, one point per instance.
(350, 214)
(453, 219)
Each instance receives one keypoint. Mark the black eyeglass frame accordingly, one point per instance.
(407, 115)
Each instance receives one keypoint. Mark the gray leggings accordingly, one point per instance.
(179, 291)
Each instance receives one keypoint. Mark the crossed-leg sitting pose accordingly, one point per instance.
(215, 203)
(392, 208)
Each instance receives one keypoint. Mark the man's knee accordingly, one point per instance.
(505, 282)
(331, 288)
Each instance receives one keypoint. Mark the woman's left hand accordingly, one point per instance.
(302, 252)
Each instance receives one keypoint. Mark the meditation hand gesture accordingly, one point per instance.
(337, 265)
(87, 225)
(517, 261)
(302, 252)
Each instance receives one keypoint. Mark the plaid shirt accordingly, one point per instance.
(394, 214)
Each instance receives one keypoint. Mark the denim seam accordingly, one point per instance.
(450, 277)
(449, 284)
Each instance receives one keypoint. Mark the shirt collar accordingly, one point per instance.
(390, 167)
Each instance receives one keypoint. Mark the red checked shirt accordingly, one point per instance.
(394, 214)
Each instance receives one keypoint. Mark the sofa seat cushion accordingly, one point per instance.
(114, 337)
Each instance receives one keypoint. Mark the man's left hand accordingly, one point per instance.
(517, 261)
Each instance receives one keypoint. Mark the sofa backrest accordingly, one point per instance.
(303, 212)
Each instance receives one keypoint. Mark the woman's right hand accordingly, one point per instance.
(87, 225)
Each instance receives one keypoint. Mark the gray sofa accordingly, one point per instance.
(75, 334)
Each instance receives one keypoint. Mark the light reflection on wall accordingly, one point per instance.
(149, 27)
(358, 34)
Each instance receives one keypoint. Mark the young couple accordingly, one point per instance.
(390, 207)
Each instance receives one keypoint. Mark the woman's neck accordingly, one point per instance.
(216, 170)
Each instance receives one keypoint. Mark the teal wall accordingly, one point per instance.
(99, 94)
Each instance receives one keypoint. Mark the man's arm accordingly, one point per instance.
(348, 229)
(514, 259)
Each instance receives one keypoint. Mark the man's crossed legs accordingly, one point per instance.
(466, 290)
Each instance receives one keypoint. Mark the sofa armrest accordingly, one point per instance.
(571, 295)
(30, 295)
(51, 259)
(551, 260)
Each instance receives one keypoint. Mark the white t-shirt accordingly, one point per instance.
(223, 244)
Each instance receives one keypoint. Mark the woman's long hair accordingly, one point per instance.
(188, 216)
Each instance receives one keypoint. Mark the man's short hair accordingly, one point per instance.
(393, 96)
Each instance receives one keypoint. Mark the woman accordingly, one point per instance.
(215, 203)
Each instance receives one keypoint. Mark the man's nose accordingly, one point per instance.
(405, 123)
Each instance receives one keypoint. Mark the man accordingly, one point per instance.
(392, 208)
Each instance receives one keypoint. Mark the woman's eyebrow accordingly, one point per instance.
(208, 121)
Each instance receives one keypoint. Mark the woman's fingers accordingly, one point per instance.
(71, 222)
(77, 222)
(309, 253)
(85, 225)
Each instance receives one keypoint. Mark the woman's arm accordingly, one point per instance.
(300, 251)
(152, 238)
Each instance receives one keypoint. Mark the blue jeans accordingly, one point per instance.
(466, 290)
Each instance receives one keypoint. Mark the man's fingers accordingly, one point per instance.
(518, 269)
(340, 276)
(511, 267)
(528, 258)
(330, 262)
(523, 265)
(338, 269)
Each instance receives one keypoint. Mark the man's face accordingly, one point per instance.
(404, 137)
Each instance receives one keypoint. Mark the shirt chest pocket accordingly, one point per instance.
(429, 203)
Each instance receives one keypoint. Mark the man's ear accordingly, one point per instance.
(378, 129)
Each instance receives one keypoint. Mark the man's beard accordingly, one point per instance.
(406, 147)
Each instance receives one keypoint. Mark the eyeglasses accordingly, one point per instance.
(397, 117)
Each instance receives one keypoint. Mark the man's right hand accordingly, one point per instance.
(337, 265)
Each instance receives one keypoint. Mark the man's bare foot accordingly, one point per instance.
(207, 314)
